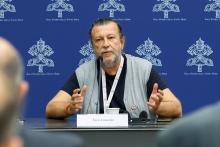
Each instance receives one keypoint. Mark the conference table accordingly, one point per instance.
(135, 135)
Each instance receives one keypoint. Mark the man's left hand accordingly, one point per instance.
(155, 98)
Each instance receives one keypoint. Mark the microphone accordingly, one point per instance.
(100, 58)
(141, 120)
(143, 116)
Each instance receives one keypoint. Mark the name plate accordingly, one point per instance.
(102, 120)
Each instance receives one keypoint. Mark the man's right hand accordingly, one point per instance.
(77, 100)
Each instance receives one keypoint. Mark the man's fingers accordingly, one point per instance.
(76, 96)
(155, 88)
(77, 100)
(71, 109)
(151, 106)
(160, 91)
(156, 100)
(75, 105)
(160, 97)
(76, 91)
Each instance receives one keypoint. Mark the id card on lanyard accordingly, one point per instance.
(107, 102)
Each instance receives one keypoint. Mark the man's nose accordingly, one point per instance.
(106, 43)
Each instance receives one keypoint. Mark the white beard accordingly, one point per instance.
(110, 63)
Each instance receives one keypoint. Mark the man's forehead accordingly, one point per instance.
(108, 27)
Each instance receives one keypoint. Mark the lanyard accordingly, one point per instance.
(106, 102)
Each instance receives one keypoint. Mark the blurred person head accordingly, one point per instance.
(12, 90)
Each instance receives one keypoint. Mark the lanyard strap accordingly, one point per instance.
(106, 102)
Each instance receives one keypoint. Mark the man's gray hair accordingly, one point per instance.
(103, 21)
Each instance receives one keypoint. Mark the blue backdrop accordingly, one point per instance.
(167, 32)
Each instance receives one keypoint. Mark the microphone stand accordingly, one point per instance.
(99, 83)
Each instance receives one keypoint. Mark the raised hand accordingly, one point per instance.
(155, 98)
(77, 99)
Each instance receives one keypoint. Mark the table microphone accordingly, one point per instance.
(143, 116)
(141, 120)
(100, 59)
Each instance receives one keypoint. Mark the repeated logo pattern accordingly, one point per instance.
(215, 7)
(111, 6)
(40, 51)
(148, 50)
(166, 6)
(199, 50)
(87, 52)
(60, 6)
(6, 7)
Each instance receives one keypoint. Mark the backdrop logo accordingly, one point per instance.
(60, 6)
(6, 7)
(40, 52)
(148, 50)
(87, 52)
(200, 50)
(166, 6)
(112, 6)
(214, 7)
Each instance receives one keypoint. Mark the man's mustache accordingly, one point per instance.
(106, 51)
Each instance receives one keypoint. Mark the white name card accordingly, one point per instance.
(102, 120)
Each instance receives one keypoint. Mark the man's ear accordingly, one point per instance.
(23, 89)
